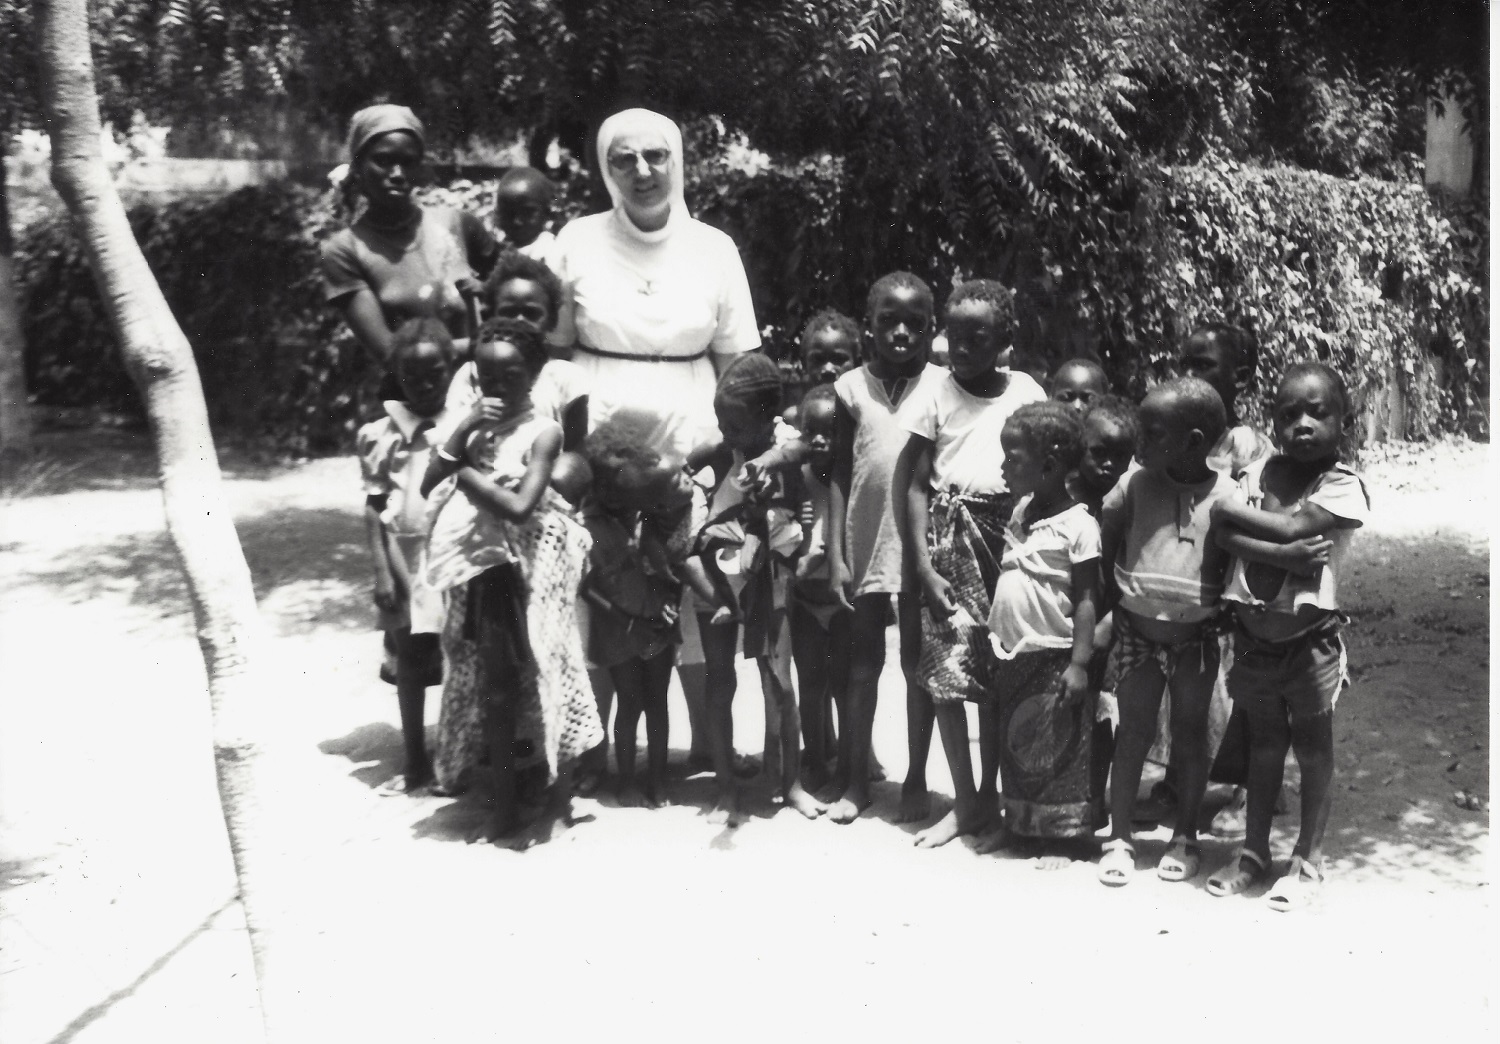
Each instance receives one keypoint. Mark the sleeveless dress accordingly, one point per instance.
(535, 566)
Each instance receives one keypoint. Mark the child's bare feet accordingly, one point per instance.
(799, 799)
(994, 839)
(726, 810)
(407, 786)
(848, 808)
(629, 795)
(877, 770)
(916, 802)
(945, 830)
(654, 796)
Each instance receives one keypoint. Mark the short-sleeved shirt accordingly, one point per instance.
(393, 455)
(402, 275)
(1238, 448)
(1167, 566)
(965, 430)
(1338, 491)
(559, 385)
(872, 546)
(662, 301)
(1033, 606)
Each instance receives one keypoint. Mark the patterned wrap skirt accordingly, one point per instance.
(1044, 747)
(966, 541)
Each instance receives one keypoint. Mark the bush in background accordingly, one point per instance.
(1372, 276)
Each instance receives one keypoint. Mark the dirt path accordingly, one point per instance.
(119, 923)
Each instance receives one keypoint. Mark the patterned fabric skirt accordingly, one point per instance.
(556, 716)
(966, 539)
(1130, 651)
(1044, 747)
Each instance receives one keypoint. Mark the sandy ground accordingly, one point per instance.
(120, 923)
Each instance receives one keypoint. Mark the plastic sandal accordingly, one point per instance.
(1232, 878)
(1117, 864)
(1181, 861)
(1300, 885)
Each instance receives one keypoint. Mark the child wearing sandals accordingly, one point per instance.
(1289, 531)
(866, 559)
(1168, 574)
(952, 509)
(510, 552)
(1042, 631)
(393, 455)
(643, 514)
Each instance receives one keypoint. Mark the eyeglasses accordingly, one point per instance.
(625, 161)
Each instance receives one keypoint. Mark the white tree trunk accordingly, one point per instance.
(230, 631)
(15, 414)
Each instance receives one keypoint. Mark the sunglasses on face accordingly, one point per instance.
(624, 161)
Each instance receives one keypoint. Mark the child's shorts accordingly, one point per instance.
(1132, 650)
(1303, 676)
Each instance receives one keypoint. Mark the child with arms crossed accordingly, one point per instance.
(393, 455)
(1168, 574)
(508, 549)
(1290, 531)
(952, 506)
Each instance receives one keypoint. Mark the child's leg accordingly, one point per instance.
(987, 793)
(656, 676)
(811, 651)
(866, 659)
(499, 693)
(414, 652)
(1268, 737)
(1192, 685)
(694, 680)
(1312, 740)
(1139, 696)
(916, 802)
(781, 706)
(964, 817)
(718, 654)
(629, 684)
(837, 687)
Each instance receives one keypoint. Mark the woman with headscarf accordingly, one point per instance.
(399, 260)
(656, 302)
(656, 305)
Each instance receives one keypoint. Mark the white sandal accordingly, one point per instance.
(1117, 864)
(1299, 886)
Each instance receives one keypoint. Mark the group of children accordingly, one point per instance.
(1045, 548)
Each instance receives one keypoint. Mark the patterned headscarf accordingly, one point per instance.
(370, 123)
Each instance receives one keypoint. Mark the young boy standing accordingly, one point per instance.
(524, 201)
(1290, 534)
(1169, 575)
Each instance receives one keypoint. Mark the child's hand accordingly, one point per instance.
(839, 582)
(468, 287)
(936, 593)
(1306, 556)
(725, 614)
(1075, 685)
(385, 593)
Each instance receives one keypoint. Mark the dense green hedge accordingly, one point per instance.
(1367, 274)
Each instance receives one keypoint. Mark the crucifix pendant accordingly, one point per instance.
(649, 288)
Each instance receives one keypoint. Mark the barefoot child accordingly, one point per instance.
(511, 555)
(753, 514)
(865, 555)
(1169, 575)
(393, 456)
(524, 201)
(1290, 532)
(643, 520)
(820, 626)
(526, 291)
(1110, 433)
(1042, 630)
(951, 511)
(1078, 383)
